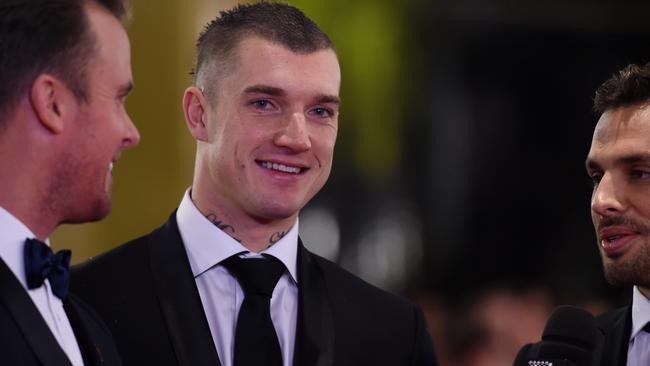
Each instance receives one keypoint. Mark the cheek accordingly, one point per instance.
(323, 142)
(240, 161)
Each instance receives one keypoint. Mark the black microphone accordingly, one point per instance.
(570, 338)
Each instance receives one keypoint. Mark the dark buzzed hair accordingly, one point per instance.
(45, 36)
(279, 23)
(628, 86)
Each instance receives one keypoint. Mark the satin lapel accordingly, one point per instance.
(179, 298)
(315, 326)
(616, 341)
(29, 320)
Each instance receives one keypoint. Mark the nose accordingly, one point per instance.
(131, 135)
(607, 200)
(294, 134)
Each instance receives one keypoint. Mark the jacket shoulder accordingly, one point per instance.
(369, 318)
(611, 318)
(343, 282)
(120, 256)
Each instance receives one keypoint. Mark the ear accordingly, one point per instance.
(50, 99)
(195, 109)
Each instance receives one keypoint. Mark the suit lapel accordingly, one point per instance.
(616, 333)
(179, 298)
(29, 320)
(315, 328)
(95, 349)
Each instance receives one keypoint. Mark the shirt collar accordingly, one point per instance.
(207, 245)
(12, 242)
(640, 312)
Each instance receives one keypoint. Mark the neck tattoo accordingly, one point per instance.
(226, 228)
(275, 237)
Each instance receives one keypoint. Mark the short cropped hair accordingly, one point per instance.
(629, 86)
(278, 23)
(45, 36)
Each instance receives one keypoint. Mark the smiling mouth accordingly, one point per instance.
(280, 167)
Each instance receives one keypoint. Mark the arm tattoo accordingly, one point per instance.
(221, 225)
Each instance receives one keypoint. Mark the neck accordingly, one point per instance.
(37, 220)
(22, 193)
(253, 233)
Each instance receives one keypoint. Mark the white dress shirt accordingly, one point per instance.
(638, 351)
(13, 234)
(206, 246)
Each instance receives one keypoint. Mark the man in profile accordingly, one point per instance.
(65, 74)
(619, 166)
(618, 163)
(227, 280)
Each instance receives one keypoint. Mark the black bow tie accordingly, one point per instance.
(41, 263)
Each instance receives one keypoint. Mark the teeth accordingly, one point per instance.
(110, 167)
(281, 167)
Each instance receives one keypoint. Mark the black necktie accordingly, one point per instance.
(256, 342)
(41, 263)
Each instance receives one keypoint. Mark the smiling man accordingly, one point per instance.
(227, 280)
(619, 165)
(65, 74)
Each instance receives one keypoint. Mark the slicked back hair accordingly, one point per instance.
(629, 86)
(278, 23)
(45, 36)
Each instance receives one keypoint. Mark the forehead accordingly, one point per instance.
(112, 50)
(261, 62)
(620, 131)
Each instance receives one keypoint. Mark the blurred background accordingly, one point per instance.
(458, 177)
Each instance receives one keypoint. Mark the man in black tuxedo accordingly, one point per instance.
(65, 72)
(619, 165)
(226, 280)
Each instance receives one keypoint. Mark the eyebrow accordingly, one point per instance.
(332, 99)
(623, 160)
(265, 89)
(271, 90)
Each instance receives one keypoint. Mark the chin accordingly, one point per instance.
(276, 211)
(627, 273)
(92, 212)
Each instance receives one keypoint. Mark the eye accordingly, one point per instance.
(262, 104)
(640, 174)
(321, 112)
(595, 177)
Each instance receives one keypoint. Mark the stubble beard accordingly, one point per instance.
(78, 192)
(632, 271)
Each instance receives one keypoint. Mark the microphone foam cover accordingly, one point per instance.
(572, 325)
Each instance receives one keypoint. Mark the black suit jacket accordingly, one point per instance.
(615, 326)
(26, 340)
(150, 302)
